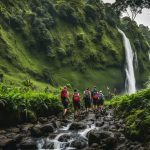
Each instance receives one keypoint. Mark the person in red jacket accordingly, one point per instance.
(65, 99)
(76, 102)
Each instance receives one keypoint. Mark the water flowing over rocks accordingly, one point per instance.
(92, 131)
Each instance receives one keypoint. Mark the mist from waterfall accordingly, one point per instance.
(130, 83)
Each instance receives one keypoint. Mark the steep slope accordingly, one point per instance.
(61, 42)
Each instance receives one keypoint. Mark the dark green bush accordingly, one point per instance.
(20, 105)
(68, 13)
(90, 11)
(135, 110)
(80, 43)
(16, 22)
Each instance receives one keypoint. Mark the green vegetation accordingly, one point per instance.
(24, 104)
(135, 111)
(47, 41)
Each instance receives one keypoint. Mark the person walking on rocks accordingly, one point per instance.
(95, 97)
(101, 101)
(76, 102)
(87, 99)
(65, 100)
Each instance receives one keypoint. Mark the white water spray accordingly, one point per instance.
(130, 84)
(149, 55)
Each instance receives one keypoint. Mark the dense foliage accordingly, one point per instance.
(64, 41)
(18, 104)
(135, 110)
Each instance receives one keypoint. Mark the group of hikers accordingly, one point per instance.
(93, 100)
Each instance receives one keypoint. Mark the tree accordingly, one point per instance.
(131, 7)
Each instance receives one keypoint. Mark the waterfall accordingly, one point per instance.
(149, 55)
(130, 83)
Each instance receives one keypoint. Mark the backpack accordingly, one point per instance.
(95, 96)
(87, 94)
(64, 93)
(76, 97)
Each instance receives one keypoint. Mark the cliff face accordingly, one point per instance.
(65, 41)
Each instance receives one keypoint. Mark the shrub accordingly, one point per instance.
(67, 13)
(90, 11)
(49, 22)
(16, 22)
(80, 44)
(23, 105)
(40, 11)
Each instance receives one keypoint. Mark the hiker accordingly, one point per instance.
(101, 101)
(95, 97)
(76, 102)
(65, 99)
(87, 99)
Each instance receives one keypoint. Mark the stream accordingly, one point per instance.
(92, 131)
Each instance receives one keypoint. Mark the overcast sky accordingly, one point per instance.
(143, 18)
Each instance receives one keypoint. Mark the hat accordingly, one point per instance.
(65, 87)
(100, 91)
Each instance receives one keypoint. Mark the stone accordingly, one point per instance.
(27, 144)
(14, 130)
(43, 120)
(77, 126)
(99, 124)
(78, 144)
(36, 131)
(47, 128)
(7, 143)
(102, 137)
(64, 138)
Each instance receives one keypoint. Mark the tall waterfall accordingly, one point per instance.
(149, 55)
(130, 83)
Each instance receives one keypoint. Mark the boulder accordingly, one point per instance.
(47, 128)
(36, 131)
(43, 120)
(14, 130)
(7, 143)
(79, 144)
(27, 144)
(64, 138)
(102, 137)
(77, 126)
(99, 124)
(56, 124)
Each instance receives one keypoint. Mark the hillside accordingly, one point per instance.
(59, 42)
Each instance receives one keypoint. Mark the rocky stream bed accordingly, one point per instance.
(93, 131)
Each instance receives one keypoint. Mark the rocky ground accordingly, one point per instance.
(93, 131)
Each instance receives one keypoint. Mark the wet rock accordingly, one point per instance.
(112, 128)
(36, 131)
(27, 144)
(25, 128)
(43, 120)
(7, 143)
(102, 137)
(99, 124)
(94, 145)
(64, 138)
(47, 128)
(77, 126)
(56, 124)
(120, 130)
(14, 130)
(79, 144)
(2, 132)
(110, 142)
